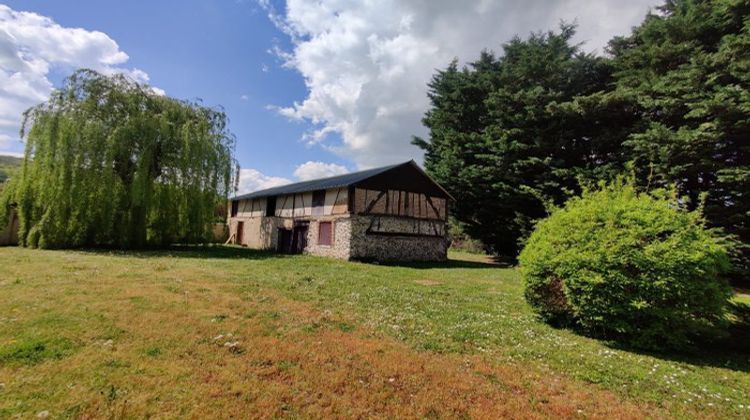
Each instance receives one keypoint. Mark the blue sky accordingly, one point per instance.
(213, 50)
(311, 88)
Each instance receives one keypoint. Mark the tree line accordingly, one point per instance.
(668, 105)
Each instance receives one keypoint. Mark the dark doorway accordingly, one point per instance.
(240, 231)
(285, 240)
(299, 236)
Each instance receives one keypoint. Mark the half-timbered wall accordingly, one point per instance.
(399, 203)
(251, 208)
(296, 205)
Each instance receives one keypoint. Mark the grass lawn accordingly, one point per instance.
(225, 331)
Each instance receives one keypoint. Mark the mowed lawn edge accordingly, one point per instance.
(465, 308)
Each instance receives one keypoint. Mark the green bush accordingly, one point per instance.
(635, 267)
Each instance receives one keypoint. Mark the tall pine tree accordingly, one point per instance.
(510, 135)
(686, 72)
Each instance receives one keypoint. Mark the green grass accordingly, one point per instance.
(464, 307)
(479, 308)
(29, 351)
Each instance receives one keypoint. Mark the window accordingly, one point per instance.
(318, 201)
(270, 206)
(235, 207)
(325, 233)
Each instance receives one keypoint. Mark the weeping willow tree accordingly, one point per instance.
(110, 163)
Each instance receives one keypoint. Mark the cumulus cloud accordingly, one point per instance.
(253, 180)
(32, 45)
(313, 170)
(366, 64)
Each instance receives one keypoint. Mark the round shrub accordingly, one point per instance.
(635, 267)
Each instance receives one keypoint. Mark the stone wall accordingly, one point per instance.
(341, 238)
(389, 238)
(358, 237)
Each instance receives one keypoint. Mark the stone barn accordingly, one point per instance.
(393, 213)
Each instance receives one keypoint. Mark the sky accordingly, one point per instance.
(311, 88)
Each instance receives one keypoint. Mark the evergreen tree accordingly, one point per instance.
(686, 72)
(509, 135)
(108, 162)
(671, 103)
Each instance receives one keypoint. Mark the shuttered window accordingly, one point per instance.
(325, 233)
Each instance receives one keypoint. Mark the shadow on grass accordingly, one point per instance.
(190, 251)
(217, 251)
(731, 352)
(492, 263)
(441, 264)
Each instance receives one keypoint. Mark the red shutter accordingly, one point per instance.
(325, 233)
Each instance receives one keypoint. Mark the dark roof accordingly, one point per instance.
(338, 181)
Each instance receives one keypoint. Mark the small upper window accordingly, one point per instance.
(235, 207)
(318, 201)
(270, 206)
(325, 233)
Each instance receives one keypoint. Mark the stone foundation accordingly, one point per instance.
(397, 239)
(355, 237)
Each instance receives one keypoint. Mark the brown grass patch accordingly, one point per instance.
(174, 344)
(270, 364)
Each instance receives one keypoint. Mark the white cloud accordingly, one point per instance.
(30, 46)
(314, 170)
(244, 97)
(366, 64)
(253, 180)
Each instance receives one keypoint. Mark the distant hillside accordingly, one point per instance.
(9, 165)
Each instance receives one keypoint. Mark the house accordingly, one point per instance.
(393, 213)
